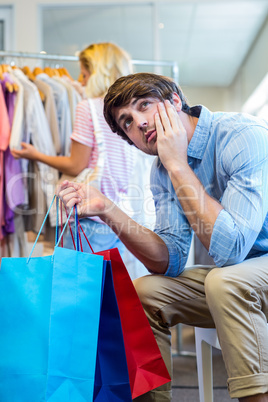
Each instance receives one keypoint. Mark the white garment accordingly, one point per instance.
(63, 108)
(73, 96)
(36, 130)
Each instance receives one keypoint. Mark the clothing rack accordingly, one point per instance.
(44, 56)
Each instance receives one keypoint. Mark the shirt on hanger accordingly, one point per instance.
(51, 112)
(36, 130)
(62, 106)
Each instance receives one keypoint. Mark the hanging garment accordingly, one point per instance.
(36, 131)
(51, 112)
(4, 141)
(62, 106)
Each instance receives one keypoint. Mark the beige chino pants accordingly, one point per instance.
(234, 299)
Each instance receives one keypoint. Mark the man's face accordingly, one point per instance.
(137, 121)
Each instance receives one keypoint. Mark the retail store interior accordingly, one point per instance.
(216, 50)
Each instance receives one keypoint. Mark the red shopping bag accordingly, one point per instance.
(146, 367)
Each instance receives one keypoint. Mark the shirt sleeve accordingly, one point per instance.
(171, 225)
(245, 200)
(83, 131)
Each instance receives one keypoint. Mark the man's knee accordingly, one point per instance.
(150, 289)
(218, 286)
(144, 288)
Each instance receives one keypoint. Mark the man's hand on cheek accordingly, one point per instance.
(171, 137)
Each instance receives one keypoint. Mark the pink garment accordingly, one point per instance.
(10, 97)
(4, 141)
(4, 123)
(2, 220)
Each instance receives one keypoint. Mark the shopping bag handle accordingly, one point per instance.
(58, 240)
(78, 228)
(75, 242)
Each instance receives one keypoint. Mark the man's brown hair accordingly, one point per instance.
(139, 85)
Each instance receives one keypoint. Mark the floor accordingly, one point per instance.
(185, 383)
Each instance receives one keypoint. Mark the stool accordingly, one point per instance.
(205, 338)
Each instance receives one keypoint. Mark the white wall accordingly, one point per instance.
(251, 72)
(214, 98)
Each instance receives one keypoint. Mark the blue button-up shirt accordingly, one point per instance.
(229, 154)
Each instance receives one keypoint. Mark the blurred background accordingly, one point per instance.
(219, 46)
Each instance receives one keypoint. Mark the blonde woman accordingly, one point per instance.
(100, 64)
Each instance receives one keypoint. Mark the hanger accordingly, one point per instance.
(48, 70)
(56, 72)
(28, 72)
(5, 68)
(11, 87)
(63, 71)
(37, 70)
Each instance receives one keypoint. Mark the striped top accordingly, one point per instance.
(119, 155)
(229, 154)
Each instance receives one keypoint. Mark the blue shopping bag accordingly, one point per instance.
(111, 377)
(49, 322)
(112, 382)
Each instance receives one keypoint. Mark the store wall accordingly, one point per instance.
(251, 73)
(213, 98)
(249, 76)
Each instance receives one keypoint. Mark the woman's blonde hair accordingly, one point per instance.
(105, 62)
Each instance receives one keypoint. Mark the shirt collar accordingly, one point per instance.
(198, 143)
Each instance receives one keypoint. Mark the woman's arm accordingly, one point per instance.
(71, 165)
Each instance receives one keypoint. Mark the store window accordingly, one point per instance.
(6, 28)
